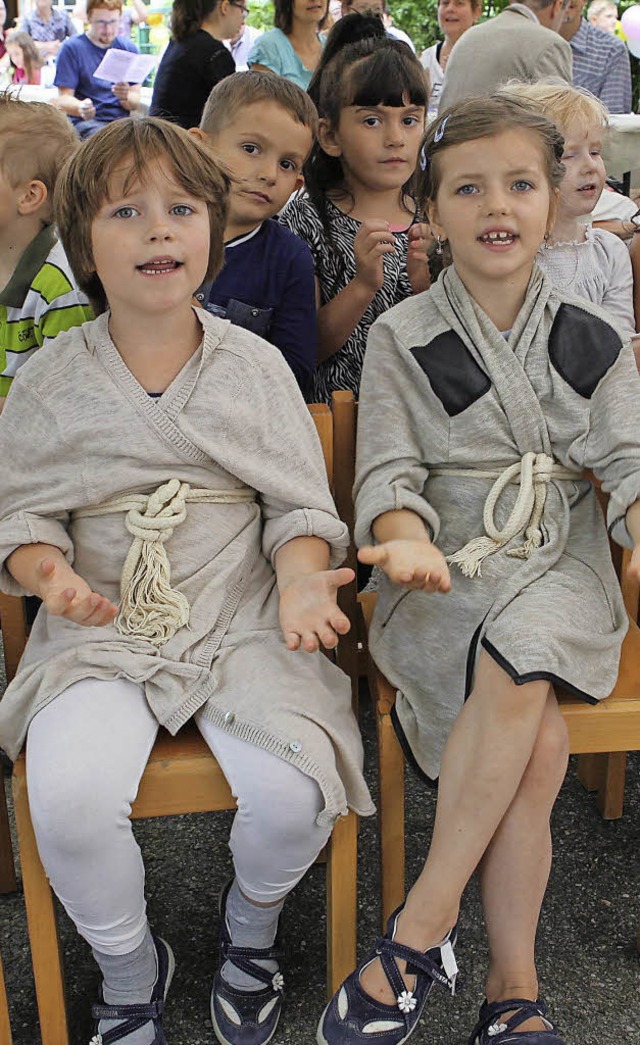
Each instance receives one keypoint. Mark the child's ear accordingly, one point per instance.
(434, 224)
(299, 182)
(200, 135)
(32, 198)
(328, 140)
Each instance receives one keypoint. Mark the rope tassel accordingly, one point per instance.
(533, 473)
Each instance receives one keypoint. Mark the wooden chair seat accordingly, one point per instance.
(181, 776)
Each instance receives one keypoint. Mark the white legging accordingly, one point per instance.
(86, 753)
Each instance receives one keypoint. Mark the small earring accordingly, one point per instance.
(546, 237)
(439, 247)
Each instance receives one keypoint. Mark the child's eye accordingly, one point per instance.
(595, 152)
(466, 190)
(250, 148)
(288, 165)
(567, 156)
(182, 210)
(411, 121)
(125, 212)
(522, 186)
(371, 121)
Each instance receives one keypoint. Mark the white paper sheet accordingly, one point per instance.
(125, 66)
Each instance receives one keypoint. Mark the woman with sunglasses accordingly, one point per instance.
(196, 59)
(293, 48)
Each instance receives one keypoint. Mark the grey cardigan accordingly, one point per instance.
(78, 430)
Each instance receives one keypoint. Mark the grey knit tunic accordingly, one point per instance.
(78, 430)
(443, 388)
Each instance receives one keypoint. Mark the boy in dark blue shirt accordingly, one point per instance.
(262, 128)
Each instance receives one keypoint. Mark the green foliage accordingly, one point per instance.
(261, 14)
(418, 18)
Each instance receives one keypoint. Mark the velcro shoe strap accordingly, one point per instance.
(417, 961)
(244, 958)
(152, 1011)
(522, 1009)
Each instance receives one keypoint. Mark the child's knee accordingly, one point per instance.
(285, 803)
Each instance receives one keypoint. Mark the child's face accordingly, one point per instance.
(606, 20)
(15, 54)
(494, 205)
(585, 172)
(151, 244)
(377, 145)
(263, 148)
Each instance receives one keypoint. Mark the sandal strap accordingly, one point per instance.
(133, 1017)
(522, 1009)
(244, 958)
(417, 961)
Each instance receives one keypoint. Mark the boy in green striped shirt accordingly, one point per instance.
(38, 294)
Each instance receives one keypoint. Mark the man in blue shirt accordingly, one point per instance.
(600, 61)
(91, 103)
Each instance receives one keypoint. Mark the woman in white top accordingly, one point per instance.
(454, 18)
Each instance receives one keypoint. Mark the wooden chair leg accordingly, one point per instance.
(605, 773)
(8, 883)
(390, 816)
(342, 870)
(41, 921)
(5, 1027)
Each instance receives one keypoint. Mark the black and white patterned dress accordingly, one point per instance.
(335, 267)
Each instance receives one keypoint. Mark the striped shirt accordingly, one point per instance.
(59, 26)
(39, 302)
(601, 65)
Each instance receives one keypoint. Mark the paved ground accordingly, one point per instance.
(589, 965)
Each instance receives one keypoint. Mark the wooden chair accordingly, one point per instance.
(603, 733)
(12, 624)
(181, 777)
(5, 1026)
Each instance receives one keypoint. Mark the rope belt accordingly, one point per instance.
(150, 607)
(533, 473)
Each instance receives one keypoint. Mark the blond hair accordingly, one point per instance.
(36, 140)
(485, 117)
(84, 186)
(598, 7)
(231, 95)
(565, 106)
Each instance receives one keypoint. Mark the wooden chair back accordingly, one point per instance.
(5, 1026)
(182, 776)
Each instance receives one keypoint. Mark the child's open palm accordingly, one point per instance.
(309, 613)
(65, 594)
(417, 564)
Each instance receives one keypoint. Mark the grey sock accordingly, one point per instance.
(129, 979)
(250, 926)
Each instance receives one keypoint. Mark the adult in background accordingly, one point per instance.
(48, 27)
(604, 15)
(521, 43)
(91, 103)
(3, 18)
(454, 18)
(600, 61)
(196, 58)
(294, 47)
(241, 46)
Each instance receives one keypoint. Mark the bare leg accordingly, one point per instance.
(515, 868)
(484, 761)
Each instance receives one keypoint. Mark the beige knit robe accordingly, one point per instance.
(444, 391)
(79, 430)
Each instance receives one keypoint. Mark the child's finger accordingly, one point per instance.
(373, 555)
(328, 637)
(338, 578)
(310, 642)
(47, 567)
(292, 640)
(340, 623)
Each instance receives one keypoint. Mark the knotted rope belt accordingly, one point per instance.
(533, 473)
(150, 607)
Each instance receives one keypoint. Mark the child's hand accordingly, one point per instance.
(65, 594)
(309, 612)
(372, 241)
(417, 261)
(417, 564)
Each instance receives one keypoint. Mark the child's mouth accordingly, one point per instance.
(498, 238)
(159, 266)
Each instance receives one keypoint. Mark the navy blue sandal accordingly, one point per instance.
(353, 1016)
(245, 1017)
(492, 1029)
(135, 1016)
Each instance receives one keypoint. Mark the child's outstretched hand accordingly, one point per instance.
(373, 240)
(65, 594)
(417, 564)
(417, 261)
(309, 613)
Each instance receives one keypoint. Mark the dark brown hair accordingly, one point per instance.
(283, 17)
(188, 15)
(84, 184)
(232, 94)
(484, 117)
